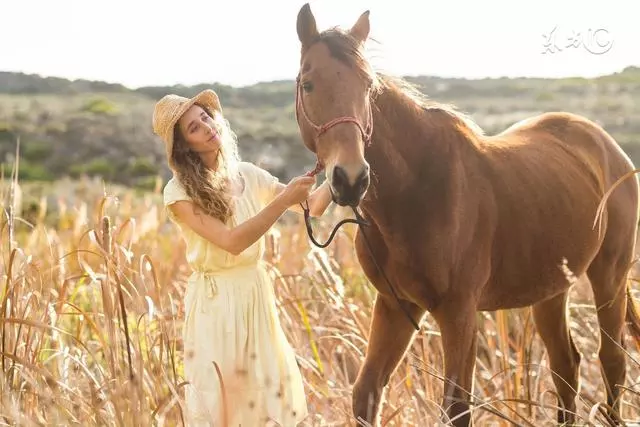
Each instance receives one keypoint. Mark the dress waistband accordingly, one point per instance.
(211, 277)
(228, 270)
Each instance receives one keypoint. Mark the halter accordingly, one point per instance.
(359, 220)
(320, 129)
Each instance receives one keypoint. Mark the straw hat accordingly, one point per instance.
(171, 107)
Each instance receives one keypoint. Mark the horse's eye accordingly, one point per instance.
(307, 86)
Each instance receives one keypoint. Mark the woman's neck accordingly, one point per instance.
(210, 159)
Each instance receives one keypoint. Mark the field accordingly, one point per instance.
(92, 307)
(91, 290)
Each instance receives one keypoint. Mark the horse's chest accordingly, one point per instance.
(398, 261)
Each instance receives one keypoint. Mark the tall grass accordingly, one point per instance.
(91, 299)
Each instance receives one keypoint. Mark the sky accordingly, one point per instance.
(242, 42)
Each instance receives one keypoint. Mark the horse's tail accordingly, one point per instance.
(633, 315)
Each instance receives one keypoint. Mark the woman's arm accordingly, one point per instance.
(233, 240)
(237, 239)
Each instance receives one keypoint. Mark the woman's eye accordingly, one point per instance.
(307, 86)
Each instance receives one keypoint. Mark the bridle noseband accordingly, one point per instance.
(366, 136)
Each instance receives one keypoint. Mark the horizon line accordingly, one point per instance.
(283, 80)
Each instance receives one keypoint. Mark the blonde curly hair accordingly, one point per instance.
(209, 189)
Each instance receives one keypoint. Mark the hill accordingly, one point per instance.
(73, 128)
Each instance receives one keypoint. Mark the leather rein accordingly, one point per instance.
(366, 136)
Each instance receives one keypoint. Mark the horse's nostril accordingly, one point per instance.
(362, 182)
(340, 179)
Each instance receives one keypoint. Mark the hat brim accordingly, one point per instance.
(207, 99)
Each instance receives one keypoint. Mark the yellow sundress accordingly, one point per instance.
(231, 319)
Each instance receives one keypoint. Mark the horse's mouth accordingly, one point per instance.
(340, 200)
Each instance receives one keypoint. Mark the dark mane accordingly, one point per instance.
(346, 49)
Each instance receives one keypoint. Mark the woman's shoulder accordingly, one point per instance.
(261, 179)
(250, 167)
(247, 167)
(174, 191)
(255, 172)
(172, 185)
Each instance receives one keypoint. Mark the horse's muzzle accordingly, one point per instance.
(348, 191)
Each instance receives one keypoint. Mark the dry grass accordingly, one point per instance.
(91, 317)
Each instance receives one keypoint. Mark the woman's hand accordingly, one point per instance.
(318, 200)
(297, 190)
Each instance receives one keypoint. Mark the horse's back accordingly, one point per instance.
(573, 141)
(597, 151)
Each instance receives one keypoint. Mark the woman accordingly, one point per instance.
(240, 368)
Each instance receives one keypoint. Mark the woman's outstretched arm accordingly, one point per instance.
(237, 239)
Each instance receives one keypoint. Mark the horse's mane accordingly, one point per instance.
(346, 49)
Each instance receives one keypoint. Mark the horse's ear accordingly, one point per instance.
(306, 25)
(360, 30)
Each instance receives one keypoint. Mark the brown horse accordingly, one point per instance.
(461, 221)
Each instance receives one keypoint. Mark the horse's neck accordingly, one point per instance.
(405, 144)
(417, 155)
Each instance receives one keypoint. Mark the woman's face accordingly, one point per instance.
(199, 130)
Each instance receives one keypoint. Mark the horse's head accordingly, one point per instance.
(333, 106)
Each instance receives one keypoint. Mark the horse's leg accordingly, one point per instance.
(608, 274)
(458, 328)
(390, 335)
(550, 317)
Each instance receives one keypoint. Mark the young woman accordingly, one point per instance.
(233, 340)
